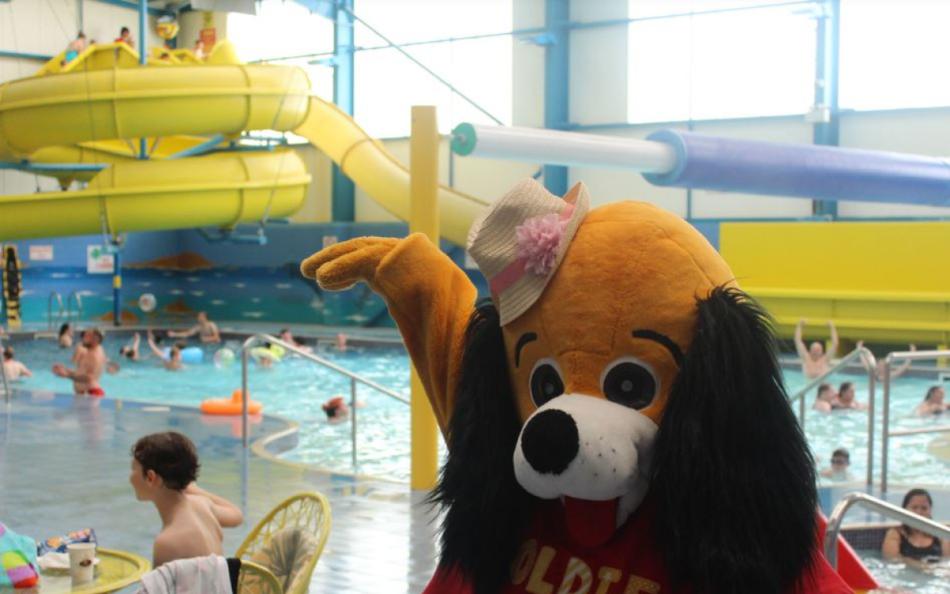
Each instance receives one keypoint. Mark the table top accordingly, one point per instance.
(116, 570)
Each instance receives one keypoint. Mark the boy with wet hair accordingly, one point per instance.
(164, 469)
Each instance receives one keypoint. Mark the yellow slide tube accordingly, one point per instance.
(218, 190)
(378, 173)
(43, 117)
(135, 102)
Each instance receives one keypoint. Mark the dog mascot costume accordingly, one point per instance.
(615, 416)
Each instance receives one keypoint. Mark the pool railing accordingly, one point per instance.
(260, 339)
(870, 364)
(886, 433)
(882, 507)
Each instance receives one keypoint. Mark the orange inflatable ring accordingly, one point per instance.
(230, 406)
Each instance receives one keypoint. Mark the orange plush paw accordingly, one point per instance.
(342, 265)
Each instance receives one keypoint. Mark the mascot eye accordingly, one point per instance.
(629, 382)
(546, 382)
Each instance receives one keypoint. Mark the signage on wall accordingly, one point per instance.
(41, 252)
(99, 260)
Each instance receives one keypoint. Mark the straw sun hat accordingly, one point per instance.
(519, 243)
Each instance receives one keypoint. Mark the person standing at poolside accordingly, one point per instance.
(164, 469)
(206, 330)
(12, 368)
(846, 399)
(90, 363)
(933, 403)
(815, 361)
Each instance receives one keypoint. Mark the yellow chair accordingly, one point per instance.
(301, 519)
(255, 579)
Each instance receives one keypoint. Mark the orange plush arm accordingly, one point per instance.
(430, 298)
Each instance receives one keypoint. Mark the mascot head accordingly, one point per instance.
(617, 360)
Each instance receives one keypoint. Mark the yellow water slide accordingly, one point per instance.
(90, 110)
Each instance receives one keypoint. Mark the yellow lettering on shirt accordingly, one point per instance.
(607, 576)
(527, 555)
(536, 583)
(641, 585)
(577, 578)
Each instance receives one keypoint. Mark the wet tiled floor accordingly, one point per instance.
(64, 464)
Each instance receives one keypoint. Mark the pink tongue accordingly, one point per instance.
(590, 523)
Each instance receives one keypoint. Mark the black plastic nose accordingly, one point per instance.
(549, 441)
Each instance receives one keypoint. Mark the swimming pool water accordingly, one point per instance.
(295, 389)
(934, 580)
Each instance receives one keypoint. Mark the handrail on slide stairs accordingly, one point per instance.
(259, 339)
(882, 507)
(870, 364)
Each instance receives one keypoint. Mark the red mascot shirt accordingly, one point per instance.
(549, 563)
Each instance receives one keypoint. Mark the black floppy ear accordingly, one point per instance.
(733, 477)
(486, 509)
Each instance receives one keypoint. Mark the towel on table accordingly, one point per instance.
(200, 575)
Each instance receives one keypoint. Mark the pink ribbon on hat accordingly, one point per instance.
(538, 241)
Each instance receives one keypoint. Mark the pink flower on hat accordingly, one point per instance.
(538, 241)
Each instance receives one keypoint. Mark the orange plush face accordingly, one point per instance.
(594, 359)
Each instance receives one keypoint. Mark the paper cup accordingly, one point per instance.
(82, 557)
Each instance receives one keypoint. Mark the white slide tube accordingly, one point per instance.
(555, 147)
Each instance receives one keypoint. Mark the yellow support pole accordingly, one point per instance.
(423, 218)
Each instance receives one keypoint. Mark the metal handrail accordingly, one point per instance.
(49, 309)
(890, 510)
(257, 339)
(902, 432)
(886, 420)
(69, 299)
(870, 364)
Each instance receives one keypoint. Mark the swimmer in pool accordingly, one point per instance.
(815, 361)
(90, 361)
(66, 336)
(896, 372)
(336, 410)
(206, 330)
(12, 368)
(846, 399)
(131, 351)
(826, 399)
(171, 360)
(909, 545)
(266, 355)
(289, 338)
(840, 461)
(933, 403)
